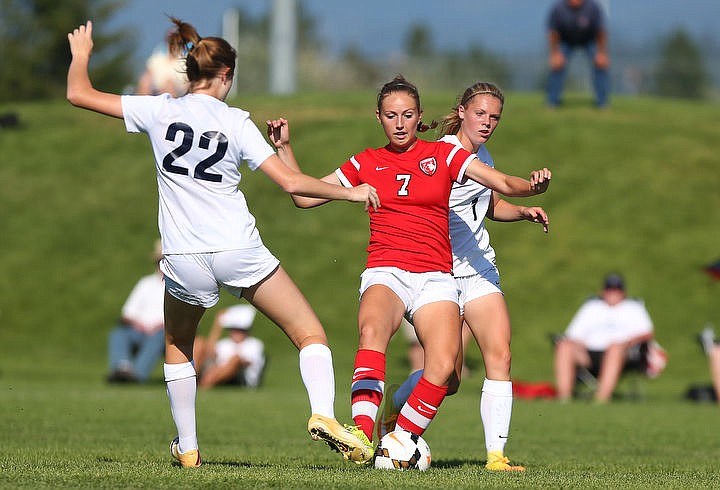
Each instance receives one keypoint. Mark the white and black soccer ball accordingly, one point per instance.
(402, 450)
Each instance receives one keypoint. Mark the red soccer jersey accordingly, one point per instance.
(410, 229)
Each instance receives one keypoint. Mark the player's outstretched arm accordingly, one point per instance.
(297, 183)
(278, 131)
(501, 210)
(508, 185)
(80, 91)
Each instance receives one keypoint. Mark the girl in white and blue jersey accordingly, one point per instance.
(209, 237)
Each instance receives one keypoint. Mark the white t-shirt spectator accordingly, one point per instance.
(597, 325)
(145, 303)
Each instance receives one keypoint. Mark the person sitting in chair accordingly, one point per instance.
(607, 335)
(137, 342)
(711, 346)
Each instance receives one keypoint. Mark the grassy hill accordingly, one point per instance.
(635, 189)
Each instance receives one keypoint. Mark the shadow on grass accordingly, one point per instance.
(456, 463)
(232, 464)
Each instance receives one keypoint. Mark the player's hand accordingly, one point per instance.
(81, 43)
(367, 194)
(540, 180)
(537, 215)
(278, 131)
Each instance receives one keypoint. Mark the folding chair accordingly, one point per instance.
(630, 386)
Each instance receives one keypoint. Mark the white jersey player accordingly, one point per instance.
(209, 237)
(470, 240)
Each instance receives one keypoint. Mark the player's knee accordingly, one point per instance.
(498, 361)
(374, 334)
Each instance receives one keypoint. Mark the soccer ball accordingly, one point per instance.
(402, 450)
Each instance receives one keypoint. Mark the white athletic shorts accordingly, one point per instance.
(196, 278)
(478, 285)
(415, 289)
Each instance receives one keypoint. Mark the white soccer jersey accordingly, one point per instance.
(472, 253)
(199, 143)
(596, 324)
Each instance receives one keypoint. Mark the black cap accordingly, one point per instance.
(614, 281)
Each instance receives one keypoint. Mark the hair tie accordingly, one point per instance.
(190, 45)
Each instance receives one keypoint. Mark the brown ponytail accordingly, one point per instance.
(205, 57)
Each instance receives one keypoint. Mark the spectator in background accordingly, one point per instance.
(415, 353)
(577, 24)
(238, 359)
(137, 343)
(609, 333)
(712, 349)
(708, 340)
(164, 72)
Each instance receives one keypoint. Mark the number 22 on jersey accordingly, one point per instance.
(188, 139)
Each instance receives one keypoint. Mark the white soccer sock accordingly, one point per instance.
(403, 392)
(181, 389)
(316, 370)
(495, 411)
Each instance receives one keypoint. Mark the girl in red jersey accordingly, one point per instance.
(470, 125)
(409, 266)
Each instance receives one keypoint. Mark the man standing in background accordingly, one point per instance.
(577, 24)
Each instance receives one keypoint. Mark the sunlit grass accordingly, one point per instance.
(634, 189)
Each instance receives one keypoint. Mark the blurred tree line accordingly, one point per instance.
(681, 70)
(34, 47)
(318, 71)
(35, 54)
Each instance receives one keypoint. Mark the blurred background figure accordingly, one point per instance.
(711, 346)
(237, 359)
(415, 354)
(607, 335)
(9, 120)
(577, 24)
(164, 73)
(713, 269)
(137, 343)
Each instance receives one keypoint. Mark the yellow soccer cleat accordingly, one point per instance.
(188, 459)
(498, 462)
(341, 439)
(357, 432)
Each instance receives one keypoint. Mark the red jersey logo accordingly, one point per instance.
(428, 166)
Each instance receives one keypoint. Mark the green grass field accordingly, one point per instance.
(635, 189)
